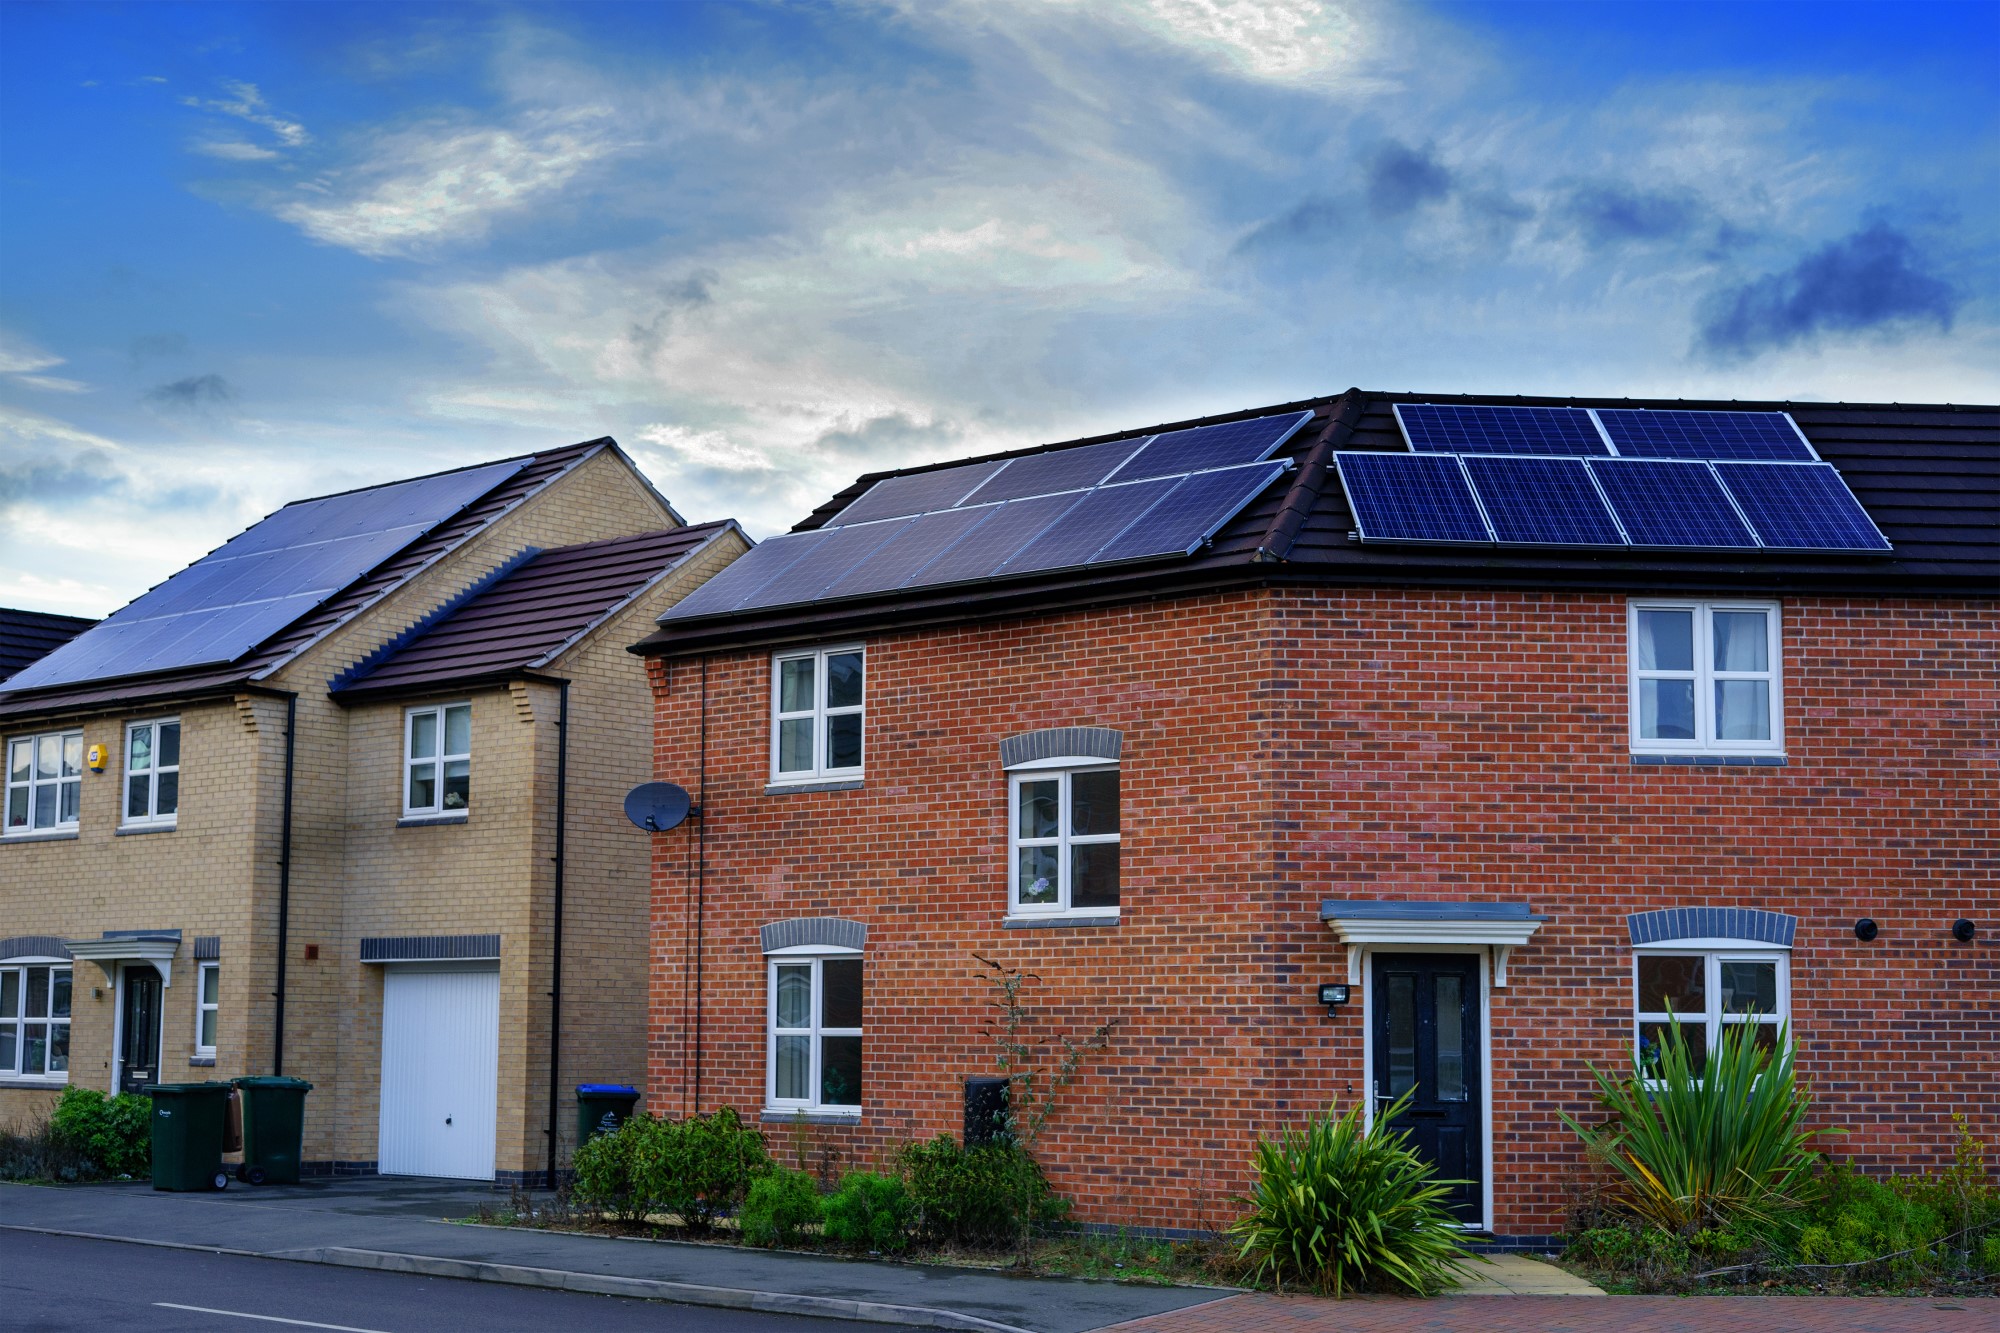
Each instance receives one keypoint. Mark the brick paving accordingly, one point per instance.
(1571, 1314)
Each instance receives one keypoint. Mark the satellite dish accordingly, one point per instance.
(657, 806)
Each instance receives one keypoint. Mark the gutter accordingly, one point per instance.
(555, 975)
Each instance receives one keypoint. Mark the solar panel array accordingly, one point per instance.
(1668, 479)
(263, 580)
(1143, 498)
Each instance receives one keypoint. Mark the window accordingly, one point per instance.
(152, 772)
(1063, 841)
(34, 1021)
(207, 999)
(815, 1029)
(44, 782)
(1700, 991)
(437, 760)
(1705, 678)
(816, 714)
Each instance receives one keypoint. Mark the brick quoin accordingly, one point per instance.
(1284, 746)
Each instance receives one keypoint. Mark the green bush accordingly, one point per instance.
(1989, 1255)
(607, 1169)
(1721, 1147)
(701, 1168)
(1338, 1207)
(1652, 1256)
(1861, 1219)
(779, 1208)
(35, 1153)
(869, 1212)
(987, 1196)
(114, 1135)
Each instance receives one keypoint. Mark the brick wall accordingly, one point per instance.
(1286, 747)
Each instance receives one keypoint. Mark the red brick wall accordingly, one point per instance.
(1286, 747)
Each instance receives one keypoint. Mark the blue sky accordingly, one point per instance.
(251, 253)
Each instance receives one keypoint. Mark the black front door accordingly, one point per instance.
(1426, 1017)
(139, 1029)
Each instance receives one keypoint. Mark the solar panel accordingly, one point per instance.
(1666, 503)
(1473, 428)
(926, 538)
(1411, 497)
(1201, 447)
(1061, 470)
(1191, 513)
(1545, 501)
(1805, 507)
(262, 580)
(1648, 433)
(738, 583)
(988, 546)
(1098, 518)
(918, 493)
(827, 562)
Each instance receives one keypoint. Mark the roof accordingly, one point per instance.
(28, 636)
(1929, 475)
(527, 616)
(539, 470)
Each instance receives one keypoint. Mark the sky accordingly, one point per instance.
(252, 253)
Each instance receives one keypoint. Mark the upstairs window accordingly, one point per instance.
(437, 760)
(44, 782)
(152, 772)
(34, 1021)
(1701, 992)
(1063, 835)
(816, 709)
(1704, 678)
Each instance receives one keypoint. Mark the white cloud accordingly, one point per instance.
(1286, 41)
(233, 150)
(18, 356)
(706, 448)
(52, 383)
(246, 102)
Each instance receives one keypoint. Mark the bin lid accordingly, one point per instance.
(272, 1081)
(616, 1089)
(183, 1089)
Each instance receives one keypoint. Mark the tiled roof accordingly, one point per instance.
(29, 636)
(267, 658)
(1929, 474)
(525, 618)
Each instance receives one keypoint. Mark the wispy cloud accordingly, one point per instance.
(233, 150)
(246, 102)
(1873, 281)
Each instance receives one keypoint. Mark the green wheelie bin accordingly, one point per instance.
(187, 1136)
(274, 1126)
(601, 1108)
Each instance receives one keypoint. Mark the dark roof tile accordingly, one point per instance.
(29, 636)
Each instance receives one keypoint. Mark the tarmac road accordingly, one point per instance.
(58, 1283)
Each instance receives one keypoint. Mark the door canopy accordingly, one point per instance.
(1358, 923)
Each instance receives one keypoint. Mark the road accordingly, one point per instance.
(57, 1283)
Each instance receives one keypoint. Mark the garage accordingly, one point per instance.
(440, 1070)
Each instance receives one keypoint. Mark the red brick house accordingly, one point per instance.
(1435, 729)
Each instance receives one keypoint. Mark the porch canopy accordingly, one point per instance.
(1500, 927)
(157, 947)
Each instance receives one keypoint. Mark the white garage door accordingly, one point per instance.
(440, 1072)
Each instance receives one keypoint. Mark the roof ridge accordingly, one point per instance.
(532, 455)
(1305, 488)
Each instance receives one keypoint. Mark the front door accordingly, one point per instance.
(1425, 1011)
(139, 1029)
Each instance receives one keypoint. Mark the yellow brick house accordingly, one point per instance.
(324, 802)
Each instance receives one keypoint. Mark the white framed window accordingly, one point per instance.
(816, 710)
(207, 1002)
(153, 771)
(1702, 990)
(813, 1060)
(1705, 677)
(437, 759)
(34, 1020)
(44, 782)
(1063, 839)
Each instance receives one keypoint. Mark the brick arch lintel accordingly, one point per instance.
(826, 932)
(1063, 743)
(1713, 923)
(33, 946)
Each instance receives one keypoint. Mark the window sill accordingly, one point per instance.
(779, 1115)
(1085, 919)
(202, 1061)
(54, 835)
(426, 821)
(134, 830)
(815, 784)
(35, 1084)
(1712, 760)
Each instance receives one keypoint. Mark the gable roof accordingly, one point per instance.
(1929, 475)
(529, 615)
(29, 636)
(536, 473)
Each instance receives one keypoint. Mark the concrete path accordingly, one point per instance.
(1520, 1275)
(397, 1226)
(1567, 1314)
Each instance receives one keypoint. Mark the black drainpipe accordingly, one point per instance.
(555, 985)
(700, 877)
(284, 886)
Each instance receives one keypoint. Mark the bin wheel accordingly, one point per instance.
(221, 1180)
(257, 1175)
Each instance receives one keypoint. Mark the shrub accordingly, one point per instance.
(1652, 1256)
(114, 1135)
(1860, 1219)
(35, 1153)
(607, 1169)
(701, 1167)
(1339, 1207)
(1723, 1146)
(869, 1212)
(986, 1196)
(780, 1206)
